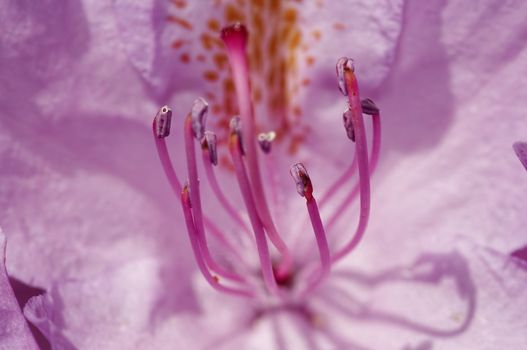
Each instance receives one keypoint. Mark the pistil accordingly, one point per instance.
(235, 39)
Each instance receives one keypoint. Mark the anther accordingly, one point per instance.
(342, 64)
(236, 130)
(265, 140)
(199, 111)
(521, 151)
(162, 122)
(209, 142)
(235, 36)
(369, 107)
(348, 124)
(303, 182)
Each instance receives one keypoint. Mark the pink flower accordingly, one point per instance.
(90, 217)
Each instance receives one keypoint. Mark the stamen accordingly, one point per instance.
(368, 107)
(303, 182)
(361, 152)
(199, 111)
(521, 151)
(265, 140)
(214, 281)
(235, 38)
(304, 188)
(162, 122)
(209, 147)
(348, 124)
(245, 189)
(196, 202)
(374, 157)
(342, 64)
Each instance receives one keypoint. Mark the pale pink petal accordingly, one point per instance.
(14, 331)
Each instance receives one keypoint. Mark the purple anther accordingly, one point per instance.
(521, 151)
(302, 181)
(210, 142)
(236, 128)
(265, 140)
(348, 124)
(162, 122)
(199, 111)
(342, 64)
(369, 107)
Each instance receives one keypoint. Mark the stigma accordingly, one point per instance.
(256, 259)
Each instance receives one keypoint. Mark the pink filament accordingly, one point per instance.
(196, 205)
(259, 235)
(322, 243)
(374, 157)
(235, 44)
(361, 152)
(213, 181)
(341, 181)
(194, 241)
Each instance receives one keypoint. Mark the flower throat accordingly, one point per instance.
(282, 277)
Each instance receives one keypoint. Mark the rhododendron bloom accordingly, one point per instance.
(259, 210)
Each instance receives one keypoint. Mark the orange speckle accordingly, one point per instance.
(290, 15)
(272, 46)
(180, 21)
(181, 4)
(233, 14)
(220, 60)
(339, 26)
(208, 42)
(306, 81)
(216, 109)
(274, 6)
(200, 58)
(213, 25)
(295, 40)
(258, 24)
(185, 58)
(210, 96)
(210, 75)
(317, 34)
(258, 3)
(228, 85)
(310, 60)
(176, 44)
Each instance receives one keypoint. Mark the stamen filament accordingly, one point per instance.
(374, 157)
(259, 235)
(235, 39)
(213, 181)
(361, 152)
(194, 241)
(305, 189)
(196, 202)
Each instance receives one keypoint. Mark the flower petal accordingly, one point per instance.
(14, 331)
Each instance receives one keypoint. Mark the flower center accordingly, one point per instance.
(284, 275)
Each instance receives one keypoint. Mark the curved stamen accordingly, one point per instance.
(374, 157)
(243, 183)
(195, 196)
(210, 158)
(194, 241)
(235, 39)
(304, 187)
(361, 151)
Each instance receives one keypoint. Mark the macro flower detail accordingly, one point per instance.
(92, 223)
